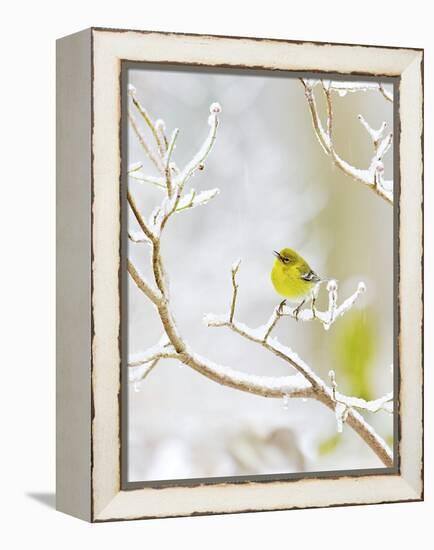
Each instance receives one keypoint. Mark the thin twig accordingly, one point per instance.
(277, 314)
(368, 176)
(143, 112)
(385, 93)
(143, 285)
(160, 128)
(234, 271)
(138, 237)
(143, 226)
(168, 156)
(148, 370)
(138, 176)
(152, 156)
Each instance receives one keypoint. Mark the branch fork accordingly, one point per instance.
(373, 176)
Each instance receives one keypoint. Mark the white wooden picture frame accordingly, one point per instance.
(89, 393)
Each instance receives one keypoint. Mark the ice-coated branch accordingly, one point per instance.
(138, 374)
(140, 176)
(160, 128)
(167, 157)
(141, 365)
(175, 182)
(345, 87)
(385, 93)
(200, 157)
(156, 130)
(384, 403)
(162, 350)
(302, 383)
(326, 318)
(344, 403)
(344, 406)
(265, 386)
(193, 199)
(373, 175)
(155, 159)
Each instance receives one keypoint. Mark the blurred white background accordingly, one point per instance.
(277, 189)
(27, 404)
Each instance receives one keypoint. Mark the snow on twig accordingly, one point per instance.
(200, 157)
(344, 403)
(140, 176)
(156, 132)
(138, 237)
(151, 154)
(161, 347)
(341, 404)
(140, 365)
(345, 87)
(371, 176)
(384, 403)
(262, 333)
(327, 318)
(193, 199)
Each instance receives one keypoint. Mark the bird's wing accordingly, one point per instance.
(311, 276)
(307, 274)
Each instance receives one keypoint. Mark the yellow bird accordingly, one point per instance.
(293, 278)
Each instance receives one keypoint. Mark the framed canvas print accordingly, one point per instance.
(239, 266)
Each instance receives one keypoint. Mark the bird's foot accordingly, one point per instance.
(280, 308)
(298, 309)
(313, 308)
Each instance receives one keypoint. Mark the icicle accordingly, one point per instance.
(340, 411)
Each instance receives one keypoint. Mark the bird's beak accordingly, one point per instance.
(276, 254)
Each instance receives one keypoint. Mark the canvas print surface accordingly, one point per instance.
(258, 266)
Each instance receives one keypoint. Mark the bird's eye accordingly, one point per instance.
(285, 260)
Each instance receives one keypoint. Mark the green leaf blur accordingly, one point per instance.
(328, 446)
(355, 350)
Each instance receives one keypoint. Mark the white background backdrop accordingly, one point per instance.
(27, 278)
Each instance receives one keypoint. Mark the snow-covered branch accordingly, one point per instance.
(327, 317)
(343, 406)
(138, 237)
(344, 403)
(303, 382)
(373, 176)
(345, 87)
(193, 199)
(155, 159)
(200, 157)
